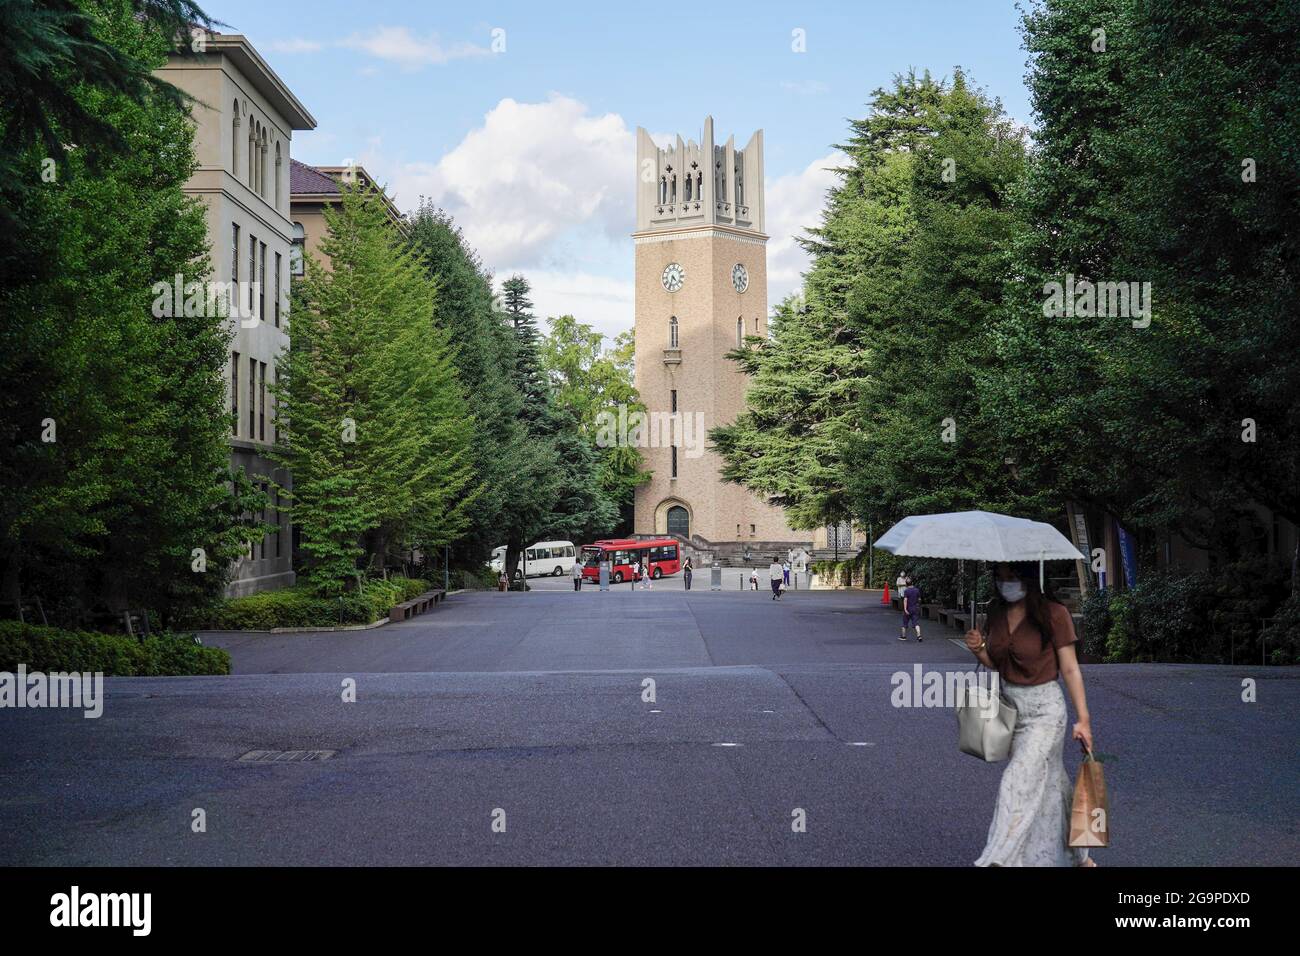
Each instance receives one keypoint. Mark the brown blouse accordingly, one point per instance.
(1021, 658)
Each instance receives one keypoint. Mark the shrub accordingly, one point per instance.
(300, 606)
(1281, 639)
(50, 649)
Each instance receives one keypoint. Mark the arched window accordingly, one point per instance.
(234, 141)
(663, 189)
(679, 521)
(699, 184)
(252, 154)
(266, 153)
(672, 192)
(278, 174)
(296, 251)
(672, 333)
(687, 195)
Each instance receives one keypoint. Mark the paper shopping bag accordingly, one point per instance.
(1090, 815)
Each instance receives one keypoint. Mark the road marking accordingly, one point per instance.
(861, 743)
(726, 745)
(769, 712)
(656, 711)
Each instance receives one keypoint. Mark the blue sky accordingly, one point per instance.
(530, 146)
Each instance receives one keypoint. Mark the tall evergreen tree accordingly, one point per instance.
(374, 423)
(114, 461)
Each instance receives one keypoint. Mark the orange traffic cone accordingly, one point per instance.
(884, 598)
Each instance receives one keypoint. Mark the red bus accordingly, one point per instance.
(659, 555)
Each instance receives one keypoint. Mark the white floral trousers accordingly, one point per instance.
(1031, 822)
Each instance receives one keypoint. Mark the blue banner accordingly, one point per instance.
(1127, 555)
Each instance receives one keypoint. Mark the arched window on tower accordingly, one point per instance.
(740, 183)
(663, 190)
(672, 195)
(699, 184)
(673, 338)
(687, 194)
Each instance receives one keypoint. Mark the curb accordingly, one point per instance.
(316, 630)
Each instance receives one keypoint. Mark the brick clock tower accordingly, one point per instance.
(701, 284)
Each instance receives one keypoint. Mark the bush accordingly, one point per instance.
(300, 606)
(1281, 639)
(1096, 623)
(49, 649)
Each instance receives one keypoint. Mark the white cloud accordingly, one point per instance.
(794, 204)
(399, 45)
(527, 175)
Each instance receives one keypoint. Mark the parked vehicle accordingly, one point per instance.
(658, 556)
(543, 558)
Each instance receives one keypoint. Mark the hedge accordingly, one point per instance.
(50, 649)
(302, 607)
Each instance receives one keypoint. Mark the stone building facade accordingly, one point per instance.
(701, 285)
(245, 118)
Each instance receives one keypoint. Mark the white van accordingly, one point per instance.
(545, 557)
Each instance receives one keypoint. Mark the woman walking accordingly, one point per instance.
(1030, 642)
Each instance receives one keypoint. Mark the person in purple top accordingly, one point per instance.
(911, 611)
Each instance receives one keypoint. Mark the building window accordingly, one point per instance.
(296, 251)
(751, 530)
(679, 522)
(261, 401)
(234, 141)
(277, 290)
(279, 522)
(234, 266)
(274, 377)
(252, 274)
(234, 394)
(672, 333)
(261, 280)
(673, 399)
(252, 161)
(252, 397)
(673, 448)
(278, 173)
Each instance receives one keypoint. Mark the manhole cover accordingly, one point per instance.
(286, 756)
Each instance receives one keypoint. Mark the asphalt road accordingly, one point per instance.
(530, 708)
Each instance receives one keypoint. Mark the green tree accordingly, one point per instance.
(590, 381)
(114, 461)
(373, 421)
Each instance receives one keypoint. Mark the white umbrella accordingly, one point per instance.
(980, 536)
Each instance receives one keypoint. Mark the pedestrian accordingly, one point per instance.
(1029, 640)
(636, 572)
(687, 573)
(785, 570)
(911, 609)
(900, 585)
(503, 582)
(647, 578)
(776, 573)
(577, 575)
(753, 579)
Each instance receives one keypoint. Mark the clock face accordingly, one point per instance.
(673, 277)
(739, 278)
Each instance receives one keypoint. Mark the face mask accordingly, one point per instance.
(1011, 591)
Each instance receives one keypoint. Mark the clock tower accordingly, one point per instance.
(701, 287)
